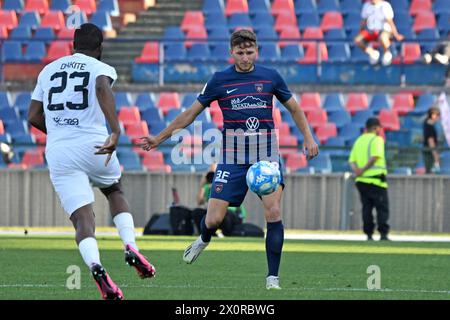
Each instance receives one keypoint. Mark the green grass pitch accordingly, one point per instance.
(35, 267)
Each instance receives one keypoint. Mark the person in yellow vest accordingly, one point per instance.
(368, 163)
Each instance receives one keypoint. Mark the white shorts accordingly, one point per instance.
(74, 169)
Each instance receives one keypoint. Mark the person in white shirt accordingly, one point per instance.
(377, 24)
(72, 98)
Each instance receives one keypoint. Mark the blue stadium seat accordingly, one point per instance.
(125, 142)
(335, 34)
(333, 102)
(267, 33)
(156, 127)
(6, 138)
(30, 19)
(35, 51)
(321, 163)
(129, 160)
(403, 19)
(335, 146)
(44, 34)
(175, 52)
(122, 99)
(261, 20)
(152, 115)
(351, 6)
(410, 121)
(102, 20)
(219, 33)
(215, 19)
(378, 102)
(22, 103)
(400, 6)
(328, 5)
(407, 32)
(60, 5)
(424, 102)
(12, 51)
(210, 6)
(357, 55)
(305, 6)
(402, 137)
(239, 20)
(9, 114)
(338, 52)
(359, 118)
(172, 114)
(308, 19)
(402, 170)
(258, 6)
(5, 99)
(443, 23)
(25, 139)
(292, 53)
(198, 52)
(172, 33)
(20, 34)
(352, 21)
(340, 118)
(269, 52)
(145, 100)
(349, 133)
(16, 5)
(441, 6)
(16, 128)
(220, 52)
(188, 99)
(428, 34)
(110, 6)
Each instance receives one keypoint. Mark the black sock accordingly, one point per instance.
(206, 233)
(274, 245)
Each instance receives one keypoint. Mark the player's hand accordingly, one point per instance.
(108, 147)
(148, 143)
(310, 148)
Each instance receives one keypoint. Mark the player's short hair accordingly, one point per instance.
(243, 36)
(87, 37)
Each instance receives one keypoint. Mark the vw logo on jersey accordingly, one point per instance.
(252, 123)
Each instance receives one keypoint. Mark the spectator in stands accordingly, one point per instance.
(6, 152)
(377, 24)
(430, 142)
(368, 163)
(439, 54)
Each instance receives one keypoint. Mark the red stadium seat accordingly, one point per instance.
(332, 20)
(192, 20)
(33, 158)
(285, 20)
(424, 20)
(288, 141)
(418, 6)
(236, 6)
(88, 6)
(312, 33)
(356, 102)
(276, 113)
(40, 6)
(389, 120)
(283, 129)
(403, 103)
(66, 33)
(129, 115)
(168, 100)
(191, 145)
(154, 161)
(280, 6)
(53, 19)
(289, 33)
(295, 161)
(8, 19)
(149, 54)
(199, 33)
(326, 131)
(2, 127)
(57, 50)
(217, 118)
(411, 53)
(311, 52)
(136, 130)
(317, 117)
(3, 33)
(310, 101)
(38, 135)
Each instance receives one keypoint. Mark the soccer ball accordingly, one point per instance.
(263, 177)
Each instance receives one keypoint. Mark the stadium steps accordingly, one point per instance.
(149, 24)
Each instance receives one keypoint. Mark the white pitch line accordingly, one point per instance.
(240, 288)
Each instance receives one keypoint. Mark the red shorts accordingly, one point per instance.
(370, 35)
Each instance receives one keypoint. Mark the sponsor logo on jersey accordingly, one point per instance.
(259, 87)
(249, 102)
(252, 123)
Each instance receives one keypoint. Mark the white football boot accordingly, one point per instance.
(273, 283)
(193, 251)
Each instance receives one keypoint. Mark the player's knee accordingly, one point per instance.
(213, 221)
(113, 189)
(273, 213)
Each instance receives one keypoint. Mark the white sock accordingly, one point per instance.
(89, 251)
(125, 225)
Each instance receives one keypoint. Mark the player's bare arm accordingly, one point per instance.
(106, 101)
(181, 121)
(36, 115)
(300, 120)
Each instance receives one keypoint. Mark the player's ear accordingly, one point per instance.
(99, 52)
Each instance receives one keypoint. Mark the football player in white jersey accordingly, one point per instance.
(377, 25)
(72, 98)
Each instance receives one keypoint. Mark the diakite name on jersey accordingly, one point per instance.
(73, 65)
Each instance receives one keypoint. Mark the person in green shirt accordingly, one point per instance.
(368, 162)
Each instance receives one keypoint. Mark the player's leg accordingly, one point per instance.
(274, 236)
(385, 39)
(362, 40)
(382, 206)
(215, 214)
(365, 194)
